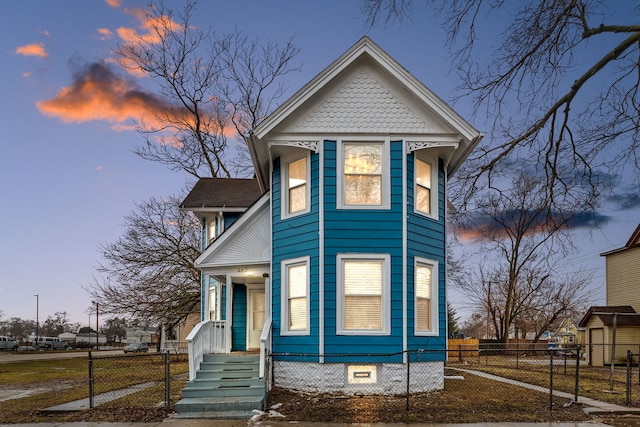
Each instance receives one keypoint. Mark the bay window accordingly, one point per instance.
(364, 177)
(295, 189)
(295, 296)
(426, 297)
(363, 294)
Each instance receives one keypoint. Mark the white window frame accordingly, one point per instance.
(284, 300)
(284, 180)
(433, 189)
(385, 190)
(386, 293)
(433, 265)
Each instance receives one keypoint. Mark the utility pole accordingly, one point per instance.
(97, 333)
(37, 320)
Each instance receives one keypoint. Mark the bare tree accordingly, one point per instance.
(148, 274)
(559, 84)
(212, 83)
(518, 277)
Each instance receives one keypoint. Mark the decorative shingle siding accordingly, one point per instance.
(293, 238)
(363, 104)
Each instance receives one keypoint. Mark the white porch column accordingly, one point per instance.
(228, 314)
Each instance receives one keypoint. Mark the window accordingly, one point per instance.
(426, 299)
(295, 297)
(363, 294)
(365, 179)
(426, 200)
(211, 231)
(295, 187)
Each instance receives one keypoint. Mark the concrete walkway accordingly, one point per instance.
(592, 406)
(243, 423)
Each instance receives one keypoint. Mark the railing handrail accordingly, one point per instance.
(196, 346)
(264, 344)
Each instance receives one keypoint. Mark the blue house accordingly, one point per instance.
(341, 252)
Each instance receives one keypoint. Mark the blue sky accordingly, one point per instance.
(67, 181)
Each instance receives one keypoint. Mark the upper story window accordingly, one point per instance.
(212, 229)
(363, 294)
(295, 297)
(296, 191)
(426, 194)
(364, 178)
(426, 297)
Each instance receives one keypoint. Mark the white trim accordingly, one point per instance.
(284, 184)
(309, 144)
(405, 298)
(433, 189)
(385, 190)
(284, 295)
(434, 296)
(321, 249)
(386, 293)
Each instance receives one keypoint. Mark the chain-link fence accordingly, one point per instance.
(562, 373)
(633, 379)
(140, 380)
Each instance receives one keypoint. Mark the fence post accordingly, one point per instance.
(408, 376)
(577, 373)
(90, 381)
(627, 398)
(167, 380)
(551, 381)
(517, 355)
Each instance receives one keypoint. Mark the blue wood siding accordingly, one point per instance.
(295, 237)
(374, 231)
(239, 313)
(426, 239)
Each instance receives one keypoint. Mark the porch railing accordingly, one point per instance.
(265, 344)
(206, 337)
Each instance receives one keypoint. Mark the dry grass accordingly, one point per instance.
(41, 384)
(471, 400)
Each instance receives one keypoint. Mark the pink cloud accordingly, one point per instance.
(33, 49)
(98, 94)
(105, 33)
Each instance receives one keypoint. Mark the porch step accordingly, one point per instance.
(220, 407)
(226, 386)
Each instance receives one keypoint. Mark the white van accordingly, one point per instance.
(8, 343)
(50, 343)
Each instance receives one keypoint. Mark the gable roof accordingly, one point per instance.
(627, 316)
(633, 242)
(222, 194)
(345, 110)
(246, 241)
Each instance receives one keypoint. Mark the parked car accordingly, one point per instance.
(8, 343)
(136, 347)
(51, 343)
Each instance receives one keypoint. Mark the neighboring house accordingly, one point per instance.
(343, 250)
(618, 323)
(567, 333)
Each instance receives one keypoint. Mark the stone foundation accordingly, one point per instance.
(358, 378)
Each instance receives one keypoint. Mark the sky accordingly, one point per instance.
(68, 175)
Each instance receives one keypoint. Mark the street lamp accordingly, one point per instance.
(37, 323)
